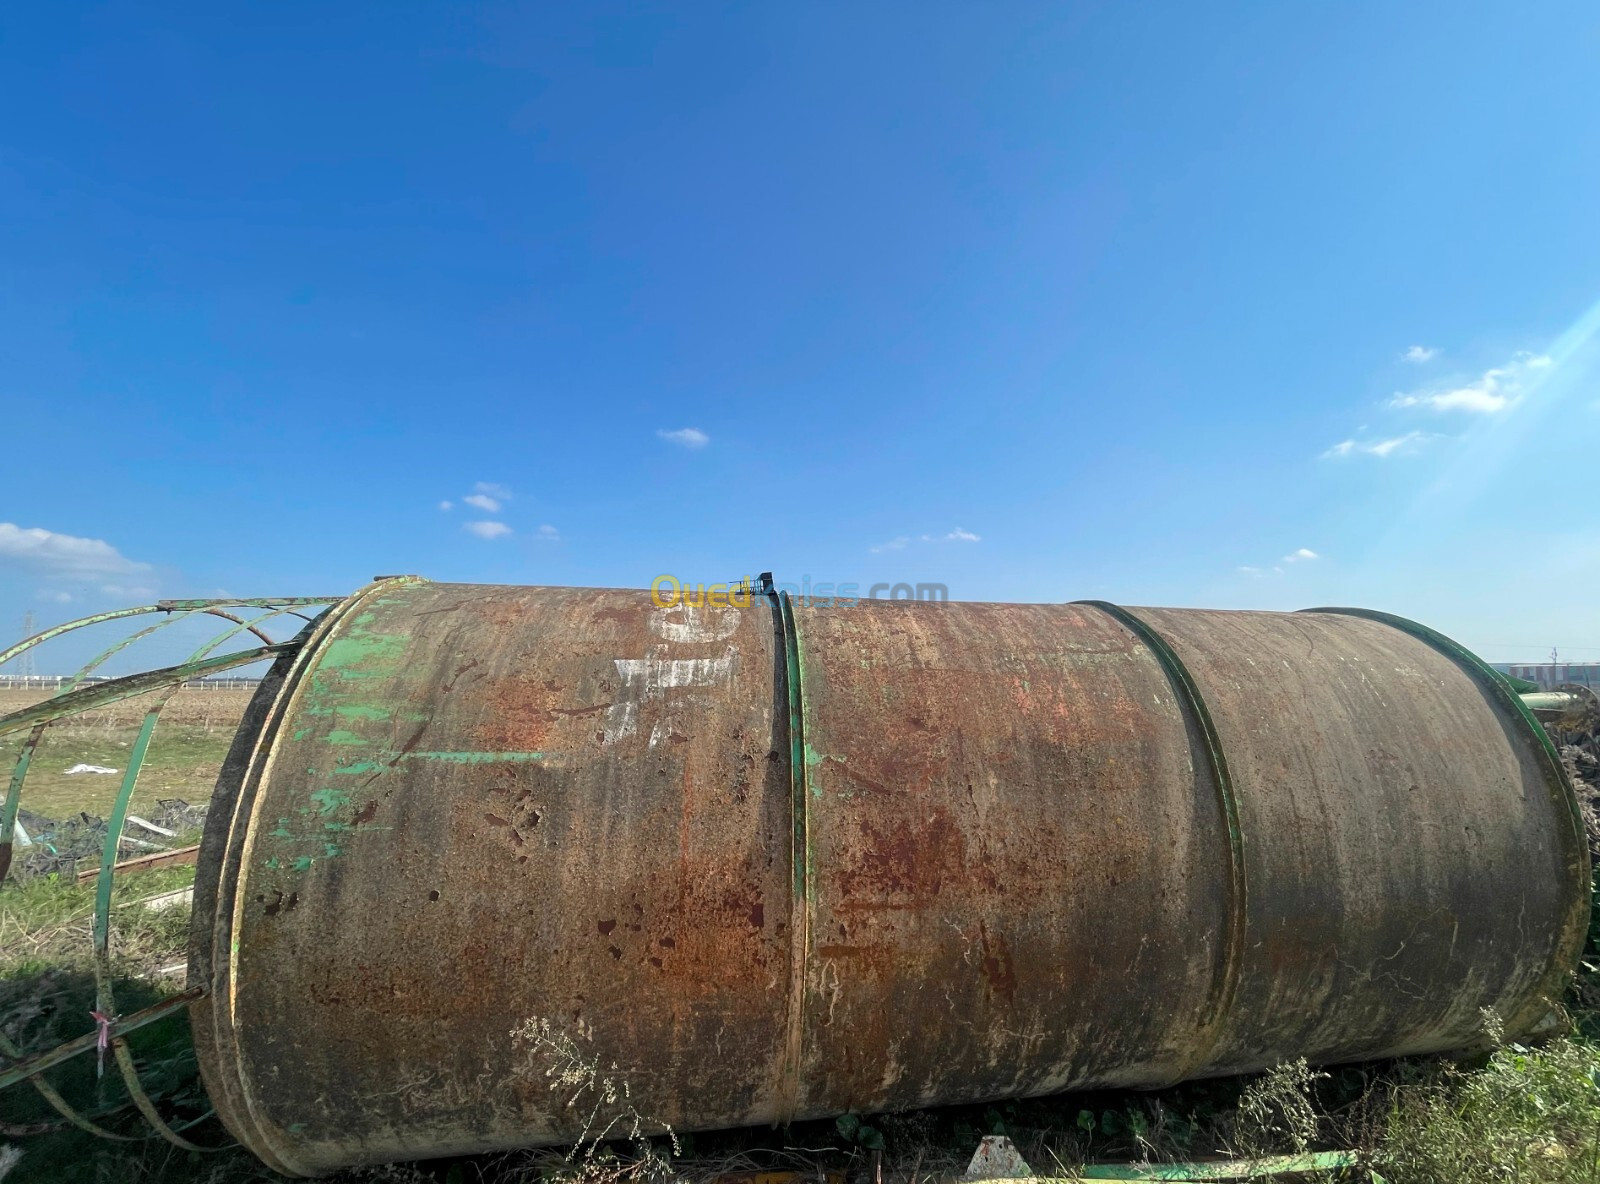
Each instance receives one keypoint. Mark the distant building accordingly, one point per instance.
(1548, 674)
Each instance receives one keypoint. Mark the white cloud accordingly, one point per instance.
(56, 596)
(1299, 555)
(550, 533)
(1493, 391)
(64, 554)
(958, 535)
(493, 489)
(124, 592)
(1382, 449)
(486, 530)
(1419, 354)
(483, 502)
(447, 506)
(1480, 397)
(685, 437)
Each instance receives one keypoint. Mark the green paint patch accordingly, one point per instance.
(363, 711)
(282, 831)
(357, 655)
(332, 850)
(344, 654)
(475, 758)
(450, 758)
(273, 863)
(328, 800)
(358, 767)
(340, 736)
(302, 863)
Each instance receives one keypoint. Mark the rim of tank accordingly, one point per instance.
(1566, 951)
(220, 869)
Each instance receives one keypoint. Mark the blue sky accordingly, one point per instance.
(1152, 303)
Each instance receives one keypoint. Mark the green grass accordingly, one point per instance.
(182, 762)
(185, 755)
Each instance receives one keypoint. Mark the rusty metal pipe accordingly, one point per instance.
(783, 861)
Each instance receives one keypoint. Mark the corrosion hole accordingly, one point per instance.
(667, 943)
(366, 812)
(272, 909)
(533, 819)
(758, 915)
(434, 894)
(656, 962)
(613, 951)
(606, 927)
(294, 899)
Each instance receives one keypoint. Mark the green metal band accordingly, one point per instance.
(24, 1069)
(799, 858)
(28, 643)
(105, 1001)
(55, 1101)
(68, 701)
(117, 647)
(1225, 983)
(162, 606)
(13, 799)
(115, 690)
(1565, 954)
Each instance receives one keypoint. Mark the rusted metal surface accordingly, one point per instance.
(1019, 865)
(482, 806)
(783, 861)
(174, 858)
(1408, 861)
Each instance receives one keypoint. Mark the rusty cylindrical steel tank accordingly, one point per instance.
(783, 861)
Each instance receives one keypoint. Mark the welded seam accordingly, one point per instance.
(1225, 980)
(1564, 954)
(788, 1089)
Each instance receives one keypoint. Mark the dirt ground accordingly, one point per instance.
(185, 754)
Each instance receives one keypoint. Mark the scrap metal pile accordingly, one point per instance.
(62, 845)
